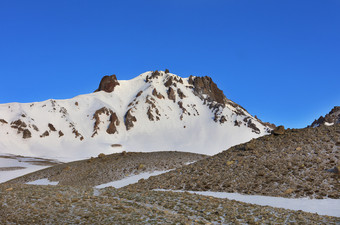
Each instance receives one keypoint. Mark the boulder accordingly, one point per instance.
(279, 130)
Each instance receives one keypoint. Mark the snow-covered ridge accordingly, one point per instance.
(154, 111)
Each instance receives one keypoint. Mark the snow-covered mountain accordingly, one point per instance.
(156, 110)
(333, 117)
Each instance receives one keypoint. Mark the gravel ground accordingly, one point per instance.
(107, 168)
(299, 163)
(32, 204)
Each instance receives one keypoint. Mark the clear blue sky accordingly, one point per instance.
(278, 59)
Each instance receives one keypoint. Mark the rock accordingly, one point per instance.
(180, 94)
(101, 155)
(45, 134)
(52, 128)
(150, 115)
(114, 122)
(279, 130)
(26, 134)
(298, 149)
(205, 85)
(333, 117)
(171, 94)
(289, 191)
(60, 133)
(166, 71)
(129, 119)
(168, 83)
(158, 95)
(108, 83)
(3, 121)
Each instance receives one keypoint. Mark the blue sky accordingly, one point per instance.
(278, 59)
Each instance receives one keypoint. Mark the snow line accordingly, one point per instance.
(329, 207)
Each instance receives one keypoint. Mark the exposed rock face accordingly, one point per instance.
(26, 134)
(108, 83)
(333, 117)
(129, 119)
(205, 85)
(114, 122)
(52, 128)
(171, 94)
(3, 121)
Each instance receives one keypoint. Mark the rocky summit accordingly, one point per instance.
(155, 111)
(333, 117)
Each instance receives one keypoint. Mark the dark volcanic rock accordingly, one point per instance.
(129, 119)
(333, 117)
(108, 83)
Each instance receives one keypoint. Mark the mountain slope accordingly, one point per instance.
(154, 111)
(298, 163)
(333, 117)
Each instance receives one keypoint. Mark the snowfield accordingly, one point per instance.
(192, 129)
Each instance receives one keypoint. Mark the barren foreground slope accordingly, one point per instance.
(297, 163)
(28, 204)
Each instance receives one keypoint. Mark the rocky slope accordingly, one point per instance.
(155, 111)
(288, 163)
(29, 204)
(107, 168)
(333, 117)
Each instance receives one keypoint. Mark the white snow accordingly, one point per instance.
(329, 124)
(131, 179)
(43, 181)
(330, 207)
(17, 162)
(196, 132)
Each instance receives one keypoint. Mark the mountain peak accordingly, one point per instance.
(157, 110)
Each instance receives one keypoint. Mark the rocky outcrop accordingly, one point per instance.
(333, 117)
(26, 134)
(52, 128)
(171, 94)
(279, 130)
(129, 119)
(114, 121)
(108, 83)
(157, 94)
(3, 121)
(205, 85)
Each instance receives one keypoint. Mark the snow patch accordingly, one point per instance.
(329, 207)
(131, 179)
(43, 181)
